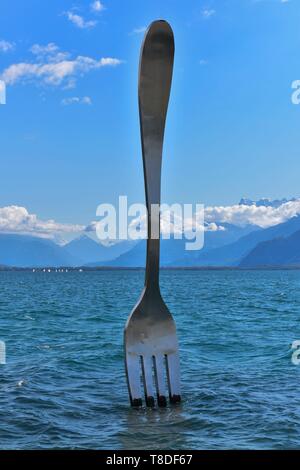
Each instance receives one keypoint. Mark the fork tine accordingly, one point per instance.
(133, 373)
(160, 371)
(173, 374)
(148, 379)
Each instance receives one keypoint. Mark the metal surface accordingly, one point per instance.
(151, 347)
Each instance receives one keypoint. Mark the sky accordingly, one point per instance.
(69, 132)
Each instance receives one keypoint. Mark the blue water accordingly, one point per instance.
(64, 387)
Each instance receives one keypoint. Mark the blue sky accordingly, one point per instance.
(70, 142)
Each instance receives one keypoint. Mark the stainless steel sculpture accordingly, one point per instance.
(151, 347)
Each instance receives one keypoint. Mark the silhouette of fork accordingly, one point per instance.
(151, 346)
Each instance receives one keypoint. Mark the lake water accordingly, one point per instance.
(64, 386)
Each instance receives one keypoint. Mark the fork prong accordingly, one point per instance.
(148, 379)
(160, 375)
(173, 374)
(133, 371)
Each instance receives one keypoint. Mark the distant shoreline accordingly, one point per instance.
(64, 269)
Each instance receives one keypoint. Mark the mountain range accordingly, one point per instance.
(173, 252)
(28, 251)
(87, 250)
(281, 251)
(265, 202)
(231, 246)
(232, 254)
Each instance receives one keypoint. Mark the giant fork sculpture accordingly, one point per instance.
(151, 347)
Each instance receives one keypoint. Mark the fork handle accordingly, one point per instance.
(155, 77)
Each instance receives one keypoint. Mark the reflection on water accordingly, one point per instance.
(153, 428)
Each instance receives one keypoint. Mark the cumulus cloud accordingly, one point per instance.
(212, 218)
(49, 53)
(54, 67)
(97, 6)
(47, 50)
(6, 46)
(76, 100)
(79, 21)
(262, 216)
(239, 214)
(17, 219)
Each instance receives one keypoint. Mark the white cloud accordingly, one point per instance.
(97, 6)
(208, 13)
(6, 46)
(140, 30)
(215, 216)
(76, 100)
(79, 21)
(203, 62)
(173, 221)
(49, 49)
(17, 219)
(211, 219)
(48, 53)
(243, 214)
(54, 67)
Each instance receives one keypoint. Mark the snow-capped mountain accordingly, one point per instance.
(266, 202)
